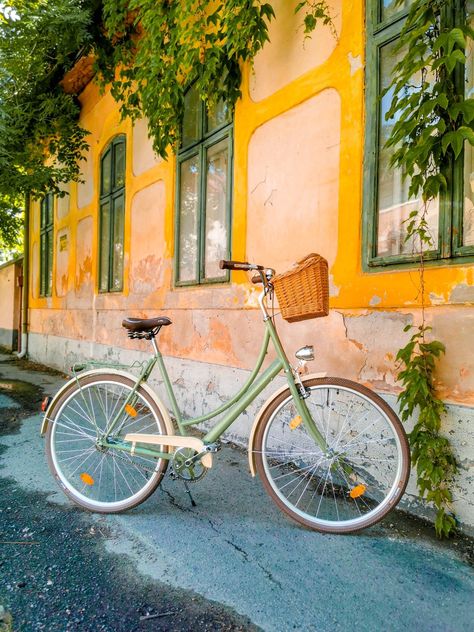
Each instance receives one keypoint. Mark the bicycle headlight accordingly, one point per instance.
(306, 353)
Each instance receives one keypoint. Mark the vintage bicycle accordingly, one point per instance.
(331, 453)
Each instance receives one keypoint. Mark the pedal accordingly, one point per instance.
(210, 448)
(172, 474)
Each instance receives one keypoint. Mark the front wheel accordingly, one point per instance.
(351, 482)
(103, 479)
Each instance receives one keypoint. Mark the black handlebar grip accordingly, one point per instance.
(234, 265)
(239, 265)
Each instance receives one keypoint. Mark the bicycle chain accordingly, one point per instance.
(115, 455)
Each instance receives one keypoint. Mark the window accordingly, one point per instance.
(204, 174)
(386, 201)
(112, 216)
(46, 244)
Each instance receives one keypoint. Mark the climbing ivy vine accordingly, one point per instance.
(433, 121)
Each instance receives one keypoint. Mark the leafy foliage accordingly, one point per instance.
(432, 118)
(433, 121)
(40, 140)
(160, 48)
(315, 11)
(431, 452)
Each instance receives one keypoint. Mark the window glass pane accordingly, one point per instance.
(216, 209)
(43, 213)
(188, 219)
(43, 249)
(49, 267)
(468, 218)
(192, 109)
(49, 208)
(106, 170)
(117, 244)
(217, 116)
(390, 7)
(119, 173)
(394, 205)
(104, 246)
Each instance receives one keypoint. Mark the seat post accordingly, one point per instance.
(155, 346)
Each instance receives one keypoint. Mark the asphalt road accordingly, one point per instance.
(231, 563)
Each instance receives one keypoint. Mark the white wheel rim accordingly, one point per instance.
(67, 485)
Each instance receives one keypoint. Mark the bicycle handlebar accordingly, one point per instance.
(239, 265)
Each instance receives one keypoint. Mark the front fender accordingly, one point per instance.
(251, 452)
(161, 407)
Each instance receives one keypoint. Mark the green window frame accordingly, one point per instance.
(204, 193)
(384, 24)
(46, 244)
(112, 215)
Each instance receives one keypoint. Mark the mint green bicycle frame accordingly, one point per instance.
(249, 391)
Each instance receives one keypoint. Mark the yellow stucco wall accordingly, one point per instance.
(298, 163)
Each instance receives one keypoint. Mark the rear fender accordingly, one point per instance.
(54, 402)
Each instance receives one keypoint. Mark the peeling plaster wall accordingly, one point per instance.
(63, 246)
(297, 184)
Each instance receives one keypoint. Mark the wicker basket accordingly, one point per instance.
(303, 292)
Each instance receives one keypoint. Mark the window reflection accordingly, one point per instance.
(468, 211)
(391, 7)
(394, 203)
(188, 227)
(216, 209)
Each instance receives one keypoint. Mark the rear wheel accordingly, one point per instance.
(352, 483)
(105, 480)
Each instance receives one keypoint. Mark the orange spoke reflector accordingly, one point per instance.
(130, 410)
(295, 422)
(87, 478)
(357, 491)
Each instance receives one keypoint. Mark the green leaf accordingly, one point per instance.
(456, 36)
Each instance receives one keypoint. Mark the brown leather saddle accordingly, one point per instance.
(145, 327)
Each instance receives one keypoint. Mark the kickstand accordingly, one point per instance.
(188, 491)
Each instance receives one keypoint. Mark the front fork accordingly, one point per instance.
(300, 394)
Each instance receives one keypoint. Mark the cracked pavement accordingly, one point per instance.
(238, 558)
